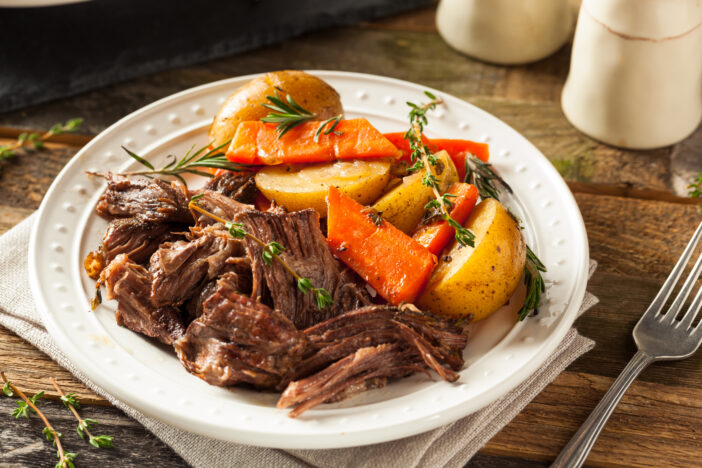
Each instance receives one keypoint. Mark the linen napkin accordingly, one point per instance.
(451, 445)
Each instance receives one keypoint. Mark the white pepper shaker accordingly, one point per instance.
(635, 77)
(505, 31)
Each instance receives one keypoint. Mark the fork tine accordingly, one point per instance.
(692, 312)
(684, 292)
(667, 288)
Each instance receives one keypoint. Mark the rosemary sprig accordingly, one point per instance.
(65, 458)
(36, 140)
(423, 158)
(271, 252)
(204, 158)
(70, 401)
(484, 177)
(534, 283)
(288, 114)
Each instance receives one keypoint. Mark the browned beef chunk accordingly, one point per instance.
(218, 204)
(136, 237)
(150, 199)
(366, 368)
(179, 268)
(240, 187)
(307, 253)
(344, 352)
(130, 284)
(238, 340)
(237, 272)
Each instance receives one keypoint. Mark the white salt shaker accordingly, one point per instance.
(505, 31)
(635, 77)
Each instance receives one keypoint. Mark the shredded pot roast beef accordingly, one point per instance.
(306, 251)
(130, 284)
(233, 319)
(239, 340)
(150, 199)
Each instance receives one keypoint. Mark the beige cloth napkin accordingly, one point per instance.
(452, 445)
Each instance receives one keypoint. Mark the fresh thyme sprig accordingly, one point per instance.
(70, 401)
(65, 458)
(424, 158)
(204, 158)
(36, 140)
(288, 114)
(271, 252)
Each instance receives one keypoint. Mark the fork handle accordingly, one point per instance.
(576, 451)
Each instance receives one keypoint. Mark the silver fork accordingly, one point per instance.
(659, 337)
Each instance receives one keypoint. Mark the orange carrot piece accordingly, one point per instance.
(457, 149)
(436, 235)
(256, 142)
(397, 266)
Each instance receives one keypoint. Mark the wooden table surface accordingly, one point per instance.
(633, 203)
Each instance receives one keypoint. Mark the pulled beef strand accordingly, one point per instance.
(130, 284)
(238, 340)
(179, 268)
(237, 271)
(136, 238)
(369, 364)
(363, 347)
(237, 186)
(149, 199)
(306, 251)
(219, 205)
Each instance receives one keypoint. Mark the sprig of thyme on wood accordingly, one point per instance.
(271, 252)
(206, 157)
(28, 405)
(288, 114)
(35, 140)
(424, 158)
(70, 401)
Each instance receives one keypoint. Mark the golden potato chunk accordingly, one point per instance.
(479, 280)
(403, 206)
(310, 92)
(297, 187)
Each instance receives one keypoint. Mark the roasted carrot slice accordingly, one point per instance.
(256, 142)
(397, 266)
(436, 235)
(457, 149)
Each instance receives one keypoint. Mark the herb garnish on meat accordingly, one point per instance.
(271, 252)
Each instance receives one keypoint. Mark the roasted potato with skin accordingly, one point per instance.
(403, 206)
(479, 280)
(310, 92)
(297, 187)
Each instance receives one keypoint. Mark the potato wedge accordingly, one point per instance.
(307, 90)
(403, 206)
(297, 187)
(479, 280)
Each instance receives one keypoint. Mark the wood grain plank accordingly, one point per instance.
(23, 445)
(655, 425)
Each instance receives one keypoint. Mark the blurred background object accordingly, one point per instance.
(505, 31)
(63, 50)
(635, 77)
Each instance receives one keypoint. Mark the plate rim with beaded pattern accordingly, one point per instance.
(501, 354)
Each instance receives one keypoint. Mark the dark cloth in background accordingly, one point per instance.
(47, 53)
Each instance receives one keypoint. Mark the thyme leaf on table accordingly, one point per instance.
(271, 252)
(35, 140)
(28, 405)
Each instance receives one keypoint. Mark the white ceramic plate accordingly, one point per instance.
(147, 376)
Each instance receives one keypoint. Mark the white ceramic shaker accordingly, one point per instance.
(505, 31)
(635, 77)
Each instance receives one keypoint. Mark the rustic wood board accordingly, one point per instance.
(631, 201)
